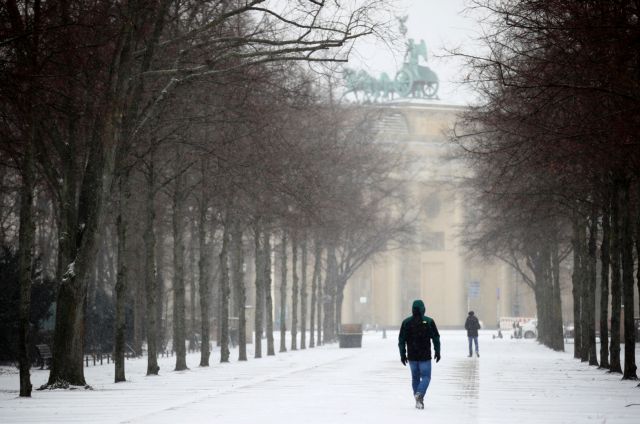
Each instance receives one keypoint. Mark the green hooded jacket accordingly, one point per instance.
(416, 333)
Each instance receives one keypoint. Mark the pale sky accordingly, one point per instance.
(442, 24)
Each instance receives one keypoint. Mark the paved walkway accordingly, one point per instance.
(515, 381)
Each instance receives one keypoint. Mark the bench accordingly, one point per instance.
(129, 352)
(44, 355)
(350, 335)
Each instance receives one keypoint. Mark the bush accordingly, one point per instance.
(42, 306)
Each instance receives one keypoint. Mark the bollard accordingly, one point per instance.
(86, 359)
(100, 358)
(94, 359)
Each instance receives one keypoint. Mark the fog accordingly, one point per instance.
(258, 191)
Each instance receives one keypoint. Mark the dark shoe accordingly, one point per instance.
(419, 401)
(478, 354)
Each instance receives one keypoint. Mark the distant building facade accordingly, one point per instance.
(436, 269)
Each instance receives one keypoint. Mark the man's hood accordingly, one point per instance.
(418, 305)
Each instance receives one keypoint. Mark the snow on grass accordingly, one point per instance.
(514, 381)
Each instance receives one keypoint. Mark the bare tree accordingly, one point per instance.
(259, 289)
(121, 279)
(283, 292)
(203, 267)
(237, 264)
(179, 335)
(616, 287)
(303, 293)
(315, 291)
(223, 337)
(294, 292)
(605, 250)
(113, 67)
(25, 259)
(546, 53)
(154, 300)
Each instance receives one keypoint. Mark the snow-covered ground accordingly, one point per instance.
(514, 381)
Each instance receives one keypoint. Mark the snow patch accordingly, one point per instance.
(70, 273)
(515, 381)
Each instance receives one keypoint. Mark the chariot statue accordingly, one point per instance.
(412, 80)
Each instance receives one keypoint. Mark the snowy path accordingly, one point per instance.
(514, 381)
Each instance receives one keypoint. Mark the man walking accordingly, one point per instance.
(414, 341)
(472, 325)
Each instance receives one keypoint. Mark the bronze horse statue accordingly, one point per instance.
(412, 80)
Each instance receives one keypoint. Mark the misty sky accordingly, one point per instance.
(442, 24)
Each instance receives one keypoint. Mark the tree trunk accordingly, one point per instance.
(585, 275)
(294, 292)
(577, 283)
(80, 253)
(314, 291)
(320, 299)
(557, 333)
(45, 246)
(121, 279)
(193, 345)
(67, 214)
(339, 300)
(616, 283)
(67, 365)
(224, 293)
(99, 269)
(576, 291)
(627, 285)
(638, 244)
(138, 316)
(283, 293)
(203, 274)
(604, 286)
(303, 296)
(25, 254)
(150, 279)
(536, 264)
(259, 284)
(330, 296)
(590, 298)
(179, 336)
(267, 290)
(68, 347)
(237, 262)
(161, 293)
(544, 263)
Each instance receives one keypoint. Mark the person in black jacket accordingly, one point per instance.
(472, 325)
(416, 333)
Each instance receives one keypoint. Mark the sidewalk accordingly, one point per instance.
(515, 381)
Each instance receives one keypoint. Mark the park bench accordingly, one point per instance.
(350, 335)
(44, 355)
(129, 352)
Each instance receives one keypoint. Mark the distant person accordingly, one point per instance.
(517, 330)
(414, 341)
(472, 325)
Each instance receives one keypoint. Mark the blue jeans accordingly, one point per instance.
(420, 376)
(473, 340)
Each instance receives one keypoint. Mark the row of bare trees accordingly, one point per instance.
(166, 138)
(554, 147)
